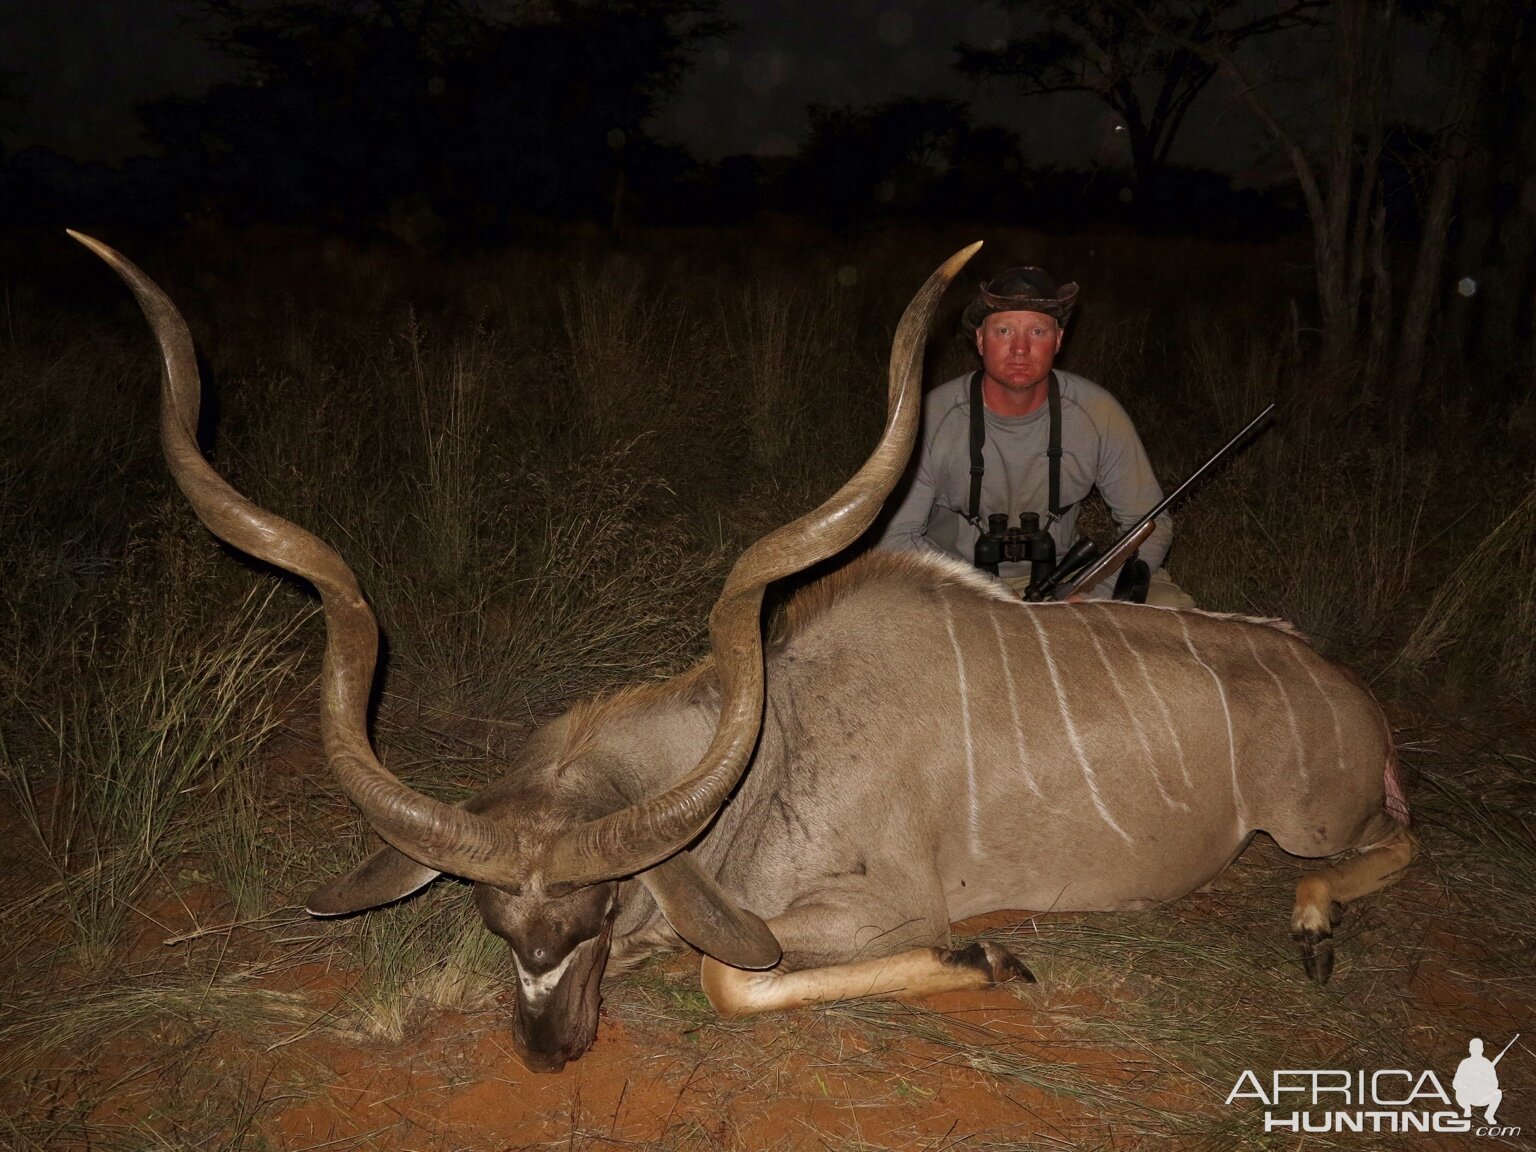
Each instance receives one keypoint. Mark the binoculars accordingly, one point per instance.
(1029, 543)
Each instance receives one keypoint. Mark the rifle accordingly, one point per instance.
(1071, 572)
(1506, 1048)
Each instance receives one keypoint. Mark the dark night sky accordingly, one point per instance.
(82, 64)
(749, 93)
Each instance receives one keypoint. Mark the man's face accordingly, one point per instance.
(1018, 348)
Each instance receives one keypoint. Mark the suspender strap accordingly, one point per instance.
(978, 438)
(1053, 450)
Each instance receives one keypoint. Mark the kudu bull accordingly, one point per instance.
(914, 747)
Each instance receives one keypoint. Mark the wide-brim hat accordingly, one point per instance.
(1027, 289)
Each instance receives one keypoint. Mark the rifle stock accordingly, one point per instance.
(1113, 560)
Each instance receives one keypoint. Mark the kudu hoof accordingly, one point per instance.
(993, 961)
(1317, 954)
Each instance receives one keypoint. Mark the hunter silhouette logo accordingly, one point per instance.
(1477, 1080)
(1386, 1100)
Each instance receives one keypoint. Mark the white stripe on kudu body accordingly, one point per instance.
(1072, 734)
(1290, 709)
(1226, 712)
(1333, 712)
(973, 813)
(1013, 703)
(1149, 683)
(1112, 676)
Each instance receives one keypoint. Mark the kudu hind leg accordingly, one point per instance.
(1321, 895)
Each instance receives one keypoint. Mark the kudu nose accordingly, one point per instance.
(549, 1062)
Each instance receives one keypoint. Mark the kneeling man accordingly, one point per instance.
(1046, 437)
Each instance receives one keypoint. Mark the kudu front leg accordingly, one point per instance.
(916, 972)
(817, 970)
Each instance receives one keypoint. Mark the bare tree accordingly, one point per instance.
(1341, 187)
(1479, 22)
(1497, 206)
(1148, 61)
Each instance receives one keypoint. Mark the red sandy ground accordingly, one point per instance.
(785, 1082)
(797, 1080)
(662, 1076)
(811, 1079)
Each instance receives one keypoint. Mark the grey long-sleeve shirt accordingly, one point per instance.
(1099, 448)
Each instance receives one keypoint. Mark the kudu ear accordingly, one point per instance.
(389, 874)
(707, 918)
(384, 877)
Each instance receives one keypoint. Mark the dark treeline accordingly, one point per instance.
(357, 115)
(447, 122)
(457, 124)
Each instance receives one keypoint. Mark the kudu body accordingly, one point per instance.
(914, 746)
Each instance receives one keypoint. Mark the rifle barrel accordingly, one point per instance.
(1505, 1049)
(1202, 470)
(1115, 557)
